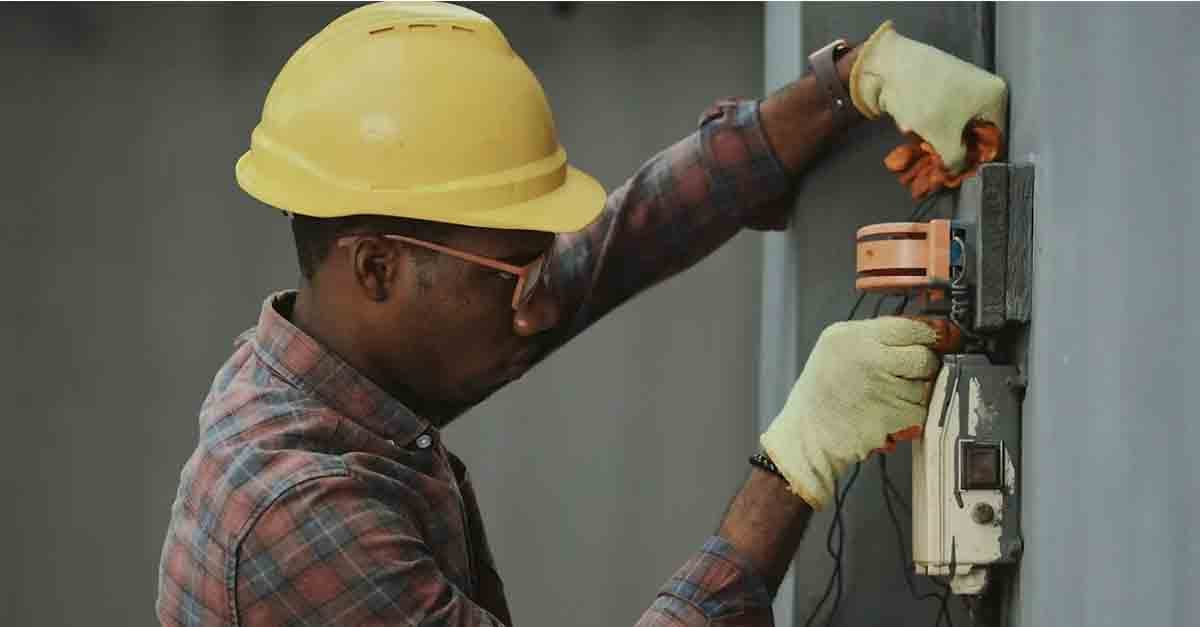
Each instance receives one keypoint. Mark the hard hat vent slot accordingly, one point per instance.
(421, 27)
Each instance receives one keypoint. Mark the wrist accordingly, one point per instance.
(764, 462)
(802, 118)
(765, 523)
(845, 63)
(832, 66)
(845, 67)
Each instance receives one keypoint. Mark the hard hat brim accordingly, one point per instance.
(569, 207)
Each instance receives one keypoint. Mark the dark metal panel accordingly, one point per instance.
(983, 202)
(1018, 297)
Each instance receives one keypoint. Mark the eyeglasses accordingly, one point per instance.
(528, 276)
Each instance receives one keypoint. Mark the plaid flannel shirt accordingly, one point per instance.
(315, 498)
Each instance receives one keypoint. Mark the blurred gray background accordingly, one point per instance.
(130, 261)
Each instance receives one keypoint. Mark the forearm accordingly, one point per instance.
(734, 576)
(681, 205)
(685, 202)
(765, 523)
(799, 121)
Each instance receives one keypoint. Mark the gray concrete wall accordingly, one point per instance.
(1102, 100)
(131, 260)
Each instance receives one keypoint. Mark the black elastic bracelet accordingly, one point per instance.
(761, 460)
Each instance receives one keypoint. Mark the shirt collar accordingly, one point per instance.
(306, 364)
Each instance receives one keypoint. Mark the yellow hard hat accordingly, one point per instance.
(416, 110)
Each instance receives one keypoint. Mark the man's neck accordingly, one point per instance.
(319, 320)
(311, 317)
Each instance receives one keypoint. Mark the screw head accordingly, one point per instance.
(983, 513)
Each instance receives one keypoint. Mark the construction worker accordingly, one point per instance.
(446, 246)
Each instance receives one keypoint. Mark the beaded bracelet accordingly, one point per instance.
(761, 460)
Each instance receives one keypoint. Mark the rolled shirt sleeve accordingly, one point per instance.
(680, 205)
(715, 587)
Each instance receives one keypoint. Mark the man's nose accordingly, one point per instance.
(538, 314)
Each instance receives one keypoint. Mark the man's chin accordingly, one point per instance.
(447, 411)
(485, 393)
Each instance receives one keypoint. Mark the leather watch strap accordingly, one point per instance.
(824, 67)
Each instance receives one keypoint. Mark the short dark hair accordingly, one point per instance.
(315, 237)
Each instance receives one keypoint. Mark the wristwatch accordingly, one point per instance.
(824, 68)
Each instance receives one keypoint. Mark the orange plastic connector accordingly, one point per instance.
(902, 256)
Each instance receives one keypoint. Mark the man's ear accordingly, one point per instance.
(377, 267)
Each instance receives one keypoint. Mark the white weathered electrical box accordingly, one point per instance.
(966, 500)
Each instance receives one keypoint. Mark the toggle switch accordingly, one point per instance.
(983, 466)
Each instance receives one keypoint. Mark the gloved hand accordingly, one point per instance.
(864, 381)
(919, 167)
(926, 91)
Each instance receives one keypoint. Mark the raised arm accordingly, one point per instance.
(736, 170)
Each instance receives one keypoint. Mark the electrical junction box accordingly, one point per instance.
(971, 272)
(966, 483)
(966, 508)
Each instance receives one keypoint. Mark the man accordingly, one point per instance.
(446, 246)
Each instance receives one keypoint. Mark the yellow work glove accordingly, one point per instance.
(926, 91)
(864, 381)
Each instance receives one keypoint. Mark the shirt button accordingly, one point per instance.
(424, 440)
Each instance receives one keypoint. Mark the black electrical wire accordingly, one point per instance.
(836, 550)
(858, 303)
(879, 305)
(836, 527)
(890, 491)
(929, 203)
(841, 545)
